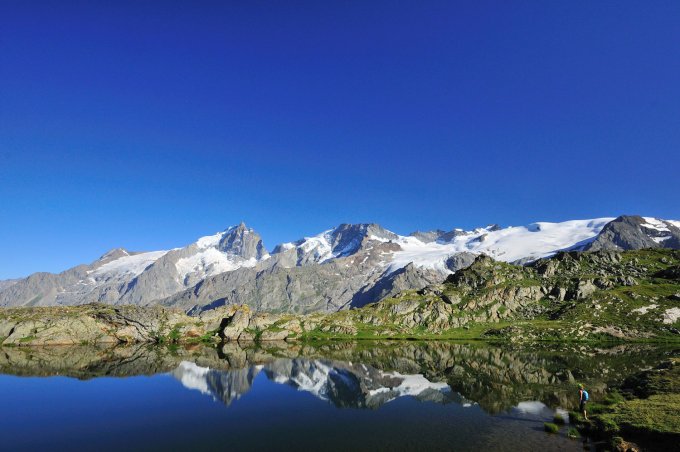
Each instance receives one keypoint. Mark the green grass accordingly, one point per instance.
(550, 427)
(648, 410)
(655, 414)
(175, 335)
(207, 338)
(275, 329)
(255, 332)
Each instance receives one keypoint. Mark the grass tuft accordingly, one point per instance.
(551, 428)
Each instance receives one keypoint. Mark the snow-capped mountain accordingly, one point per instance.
(343, 267)
(342, 384)
(341, 241)
(121, 276)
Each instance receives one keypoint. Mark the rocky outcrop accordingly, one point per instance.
(460, 261)
(95, 324)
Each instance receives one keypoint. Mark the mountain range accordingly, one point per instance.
(348, 266)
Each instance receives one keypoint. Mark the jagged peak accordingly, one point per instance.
(370, 230)
(343, 240)
(238, 240)
(214, 239)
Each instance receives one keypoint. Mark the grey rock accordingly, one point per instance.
(4, 284)
(628, 232)
(585, 288)
(243, 242)
(428, 236)
(460, 260)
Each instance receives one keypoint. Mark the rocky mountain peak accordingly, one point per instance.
(630, 232)
(442, 236)
(242, 241)
(428, 236)
(346, 239)
(112, 255)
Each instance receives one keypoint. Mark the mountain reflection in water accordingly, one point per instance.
(401, 395)
(343, 384)
(362, 374)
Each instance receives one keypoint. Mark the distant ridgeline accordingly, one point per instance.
(347, 267)
(580, 296)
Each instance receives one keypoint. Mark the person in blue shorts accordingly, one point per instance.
(582, 400)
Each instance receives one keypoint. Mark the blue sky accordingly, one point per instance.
(149, 124)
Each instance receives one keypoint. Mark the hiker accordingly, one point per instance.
(582, 399)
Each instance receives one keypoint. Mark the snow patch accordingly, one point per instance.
(316, 383)
(193, 376)
(211, 262)
(411, 385)
(209, 240)
(319, 246)
(654, 223)
(534, 241)
(128, 265)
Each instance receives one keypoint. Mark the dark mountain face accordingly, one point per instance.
(243, 242)
(347, 239)
(632, 232)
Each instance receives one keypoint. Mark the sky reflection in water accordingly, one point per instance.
(411, 396)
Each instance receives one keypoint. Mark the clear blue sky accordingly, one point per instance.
(148, 124)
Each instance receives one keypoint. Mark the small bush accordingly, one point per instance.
(573, 433)
(551, 428)
(558, 419)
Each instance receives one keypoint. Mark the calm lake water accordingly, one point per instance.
(395, 395)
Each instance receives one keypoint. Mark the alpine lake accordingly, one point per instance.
(334, 395)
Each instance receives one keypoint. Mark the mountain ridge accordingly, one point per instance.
(573, 296)
(347, 266)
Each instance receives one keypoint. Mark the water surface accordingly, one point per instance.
(364, 396)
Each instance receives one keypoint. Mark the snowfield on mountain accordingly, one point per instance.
(344, 267)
